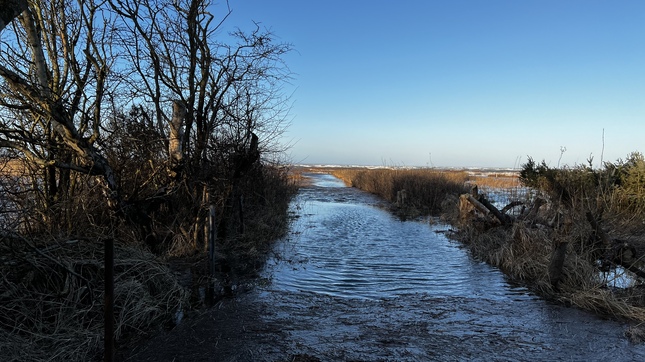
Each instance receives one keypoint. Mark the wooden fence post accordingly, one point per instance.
(212, 235)
(557, 262)
(109, 300)
(240, 205)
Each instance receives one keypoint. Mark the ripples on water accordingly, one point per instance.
(344, 245)
(354, 283)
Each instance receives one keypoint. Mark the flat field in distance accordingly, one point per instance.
(487, 178)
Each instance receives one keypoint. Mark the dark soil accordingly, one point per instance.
(265, 325)
(230, 331)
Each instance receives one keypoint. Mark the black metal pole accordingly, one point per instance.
(109, 301)
(212, 234)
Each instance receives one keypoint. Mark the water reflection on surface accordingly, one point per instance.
(354, 283)
(347, 247)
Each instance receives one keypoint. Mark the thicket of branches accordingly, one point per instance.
(110, 109)
(576, 237)
(126, 119)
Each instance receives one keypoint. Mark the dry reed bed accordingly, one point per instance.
(52, 300)
(524, 253)
(425, 189)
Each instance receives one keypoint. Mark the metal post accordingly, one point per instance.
(240, 205)
(211, 235)
(109, 301)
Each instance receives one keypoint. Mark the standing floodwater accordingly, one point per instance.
(344, 246)
(353, 282)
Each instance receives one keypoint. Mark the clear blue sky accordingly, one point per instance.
(460, 83)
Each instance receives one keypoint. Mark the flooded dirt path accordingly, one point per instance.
(352, 283)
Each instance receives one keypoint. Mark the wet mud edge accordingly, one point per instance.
(271, 326)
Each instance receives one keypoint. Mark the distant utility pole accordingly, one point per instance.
(602, 152)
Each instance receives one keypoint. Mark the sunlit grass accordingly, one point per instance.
(414, 192)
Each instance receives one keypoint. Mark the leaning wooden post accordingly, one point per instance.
(473, 201)
(559, 253)
(109, 301)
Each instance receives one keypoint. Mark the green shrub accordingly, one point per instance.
(617, 187)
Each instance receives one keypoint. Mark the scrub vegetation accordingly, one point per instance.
(128, 121)
(571, 234)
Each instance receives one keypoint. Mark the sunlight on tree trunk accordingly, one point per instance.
(176, 137)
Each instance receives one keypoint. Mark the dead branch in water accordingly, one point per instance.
(474, 202)
(485, 207)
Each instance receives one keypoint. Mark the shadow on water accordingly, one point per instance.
(354, 283)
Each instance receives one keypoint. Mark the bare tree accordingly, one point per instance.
(55, 67)
(219, 101)
(176, 57)
(70, 68)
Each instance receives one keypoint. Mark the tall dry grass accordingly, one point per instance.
(51, 263)
(425, 189)
(524, 253)
(52, 299)
(525, 250)
(495, 180)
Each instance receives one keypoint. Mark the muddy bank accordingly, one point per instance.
(266, 325)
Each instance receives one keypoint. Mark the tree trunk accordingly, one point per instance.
(176, 136)
(478, 205)
(503, 218)
(557, 263)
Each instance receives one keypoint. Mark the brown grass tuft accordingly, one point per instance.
(52, 298)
